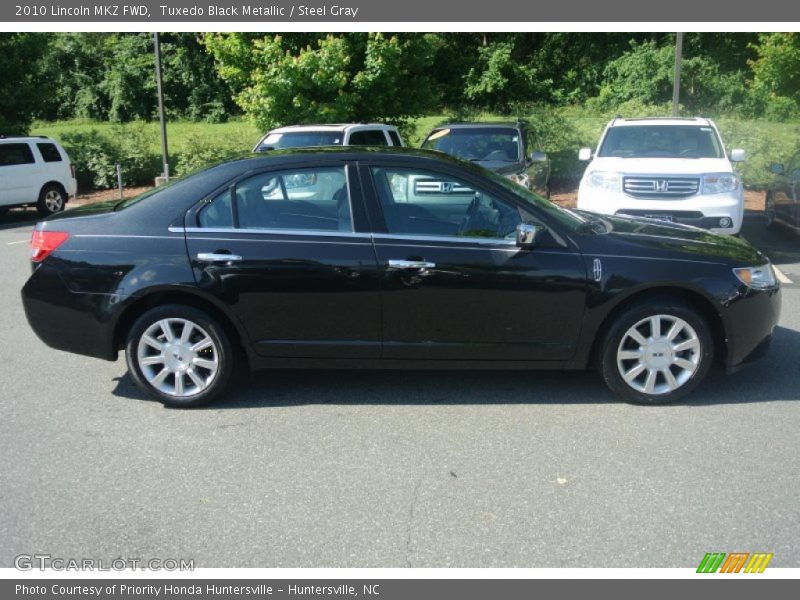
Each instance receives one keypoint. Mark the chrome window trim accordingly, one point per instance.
(267, 231)
(444, 238)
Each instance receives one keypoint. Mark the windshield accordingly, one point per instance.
(300, 139)
(661, 141)
(489, 144)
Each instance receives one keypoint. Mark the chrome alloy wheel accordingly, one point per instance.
(178, 357)
(658, 354)
(53, 200)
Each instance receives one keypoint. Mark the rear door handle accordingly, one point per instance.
(214, 257)
(411, 264)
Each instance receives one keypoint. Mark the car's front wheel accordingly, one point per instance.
(656, 352)
(179, 355)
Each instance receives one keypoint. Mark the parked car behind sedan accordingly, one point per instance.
(405, 259)
(343, 134)
(509, 149)
(782, 203)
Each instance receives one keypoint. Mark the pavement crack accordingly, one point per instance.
(412, 507)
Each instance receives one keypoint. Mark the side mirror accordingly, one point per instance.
(527, 234)
(538, 157)
(738, 155)
(585, 154)
(776, 168)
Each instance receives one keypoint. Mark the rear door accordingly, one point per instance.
(455, 284)
(20, 173)
(287, 250)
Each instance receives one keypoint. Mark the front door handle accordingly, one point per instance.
(214, 257)
(411, 264)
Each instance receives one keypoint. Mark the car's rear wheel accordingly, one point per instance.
(656, 352)
(179, 355)
(52, 199)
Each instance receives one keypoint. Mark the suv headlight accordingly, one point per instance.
(603, 180)
(756, 277)
(718, 183)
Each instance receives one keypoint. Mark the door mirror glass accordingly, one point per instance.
(538, 156)
(738, 155)
(585, 154)
(776, 168)
(527, 234)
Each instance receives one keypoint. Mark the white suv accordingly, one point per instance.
(674, 169)
(35, 171)
(347, 134)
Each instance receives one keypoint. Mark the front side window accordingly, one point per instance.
(427, 203)
(294, 199)
(484, 144)
(661, 141)
(15, 154)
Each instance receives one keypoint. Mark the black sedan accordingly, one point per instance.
(380, 258)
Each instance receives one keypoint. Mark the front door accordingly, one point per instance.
(281, 250)
(455, 284)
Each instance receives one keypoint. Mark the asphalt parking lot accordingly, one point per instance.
(383, 469)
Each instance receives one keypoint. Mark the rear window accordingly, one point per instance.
(15, 154)
(661, 141)
(300, 139)
(395, 138)
(49, 152)
(368, 137)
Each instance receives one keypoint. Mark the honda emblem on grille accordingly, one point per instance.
(447, 187)
(597, 269)
(661, 185)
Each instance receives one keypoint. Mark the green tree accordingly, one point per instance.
(21, 85)
(348, 77)
(776, 74)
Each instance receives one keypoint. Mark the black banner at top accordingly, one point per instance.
(443, 11)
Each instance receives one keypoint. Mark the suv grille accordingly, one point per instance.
(660, 187)
(429, 186)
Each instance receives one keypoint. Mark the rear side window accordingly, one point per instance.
(296, 199)
(49, 152)
(368, 137)
(218, 212)
(15, 154)
(395, 138)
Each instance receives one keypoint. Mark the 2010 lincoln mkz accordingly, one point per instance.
(374, 258)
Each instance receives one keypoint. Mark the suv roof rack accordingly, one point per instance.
(3, 136)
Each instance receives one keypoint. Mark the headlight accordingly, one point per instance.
(756, 277)
(519, 178)
(604, 180)
(718, 183)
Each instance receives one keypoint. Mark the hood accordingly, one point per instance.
(500, 166)
(636, 236)
(661, 166)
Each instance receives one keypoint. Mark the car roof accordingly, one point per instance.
(329, 127)
(25, 138)
(481, 125)
(628, 122)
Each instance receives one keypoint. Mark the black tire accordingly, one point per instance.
(204, 325)
(52, 199)
(769, 213)
(612, 350)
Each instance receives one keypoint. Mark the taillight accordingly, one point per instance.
(72, 169)
(44, 242)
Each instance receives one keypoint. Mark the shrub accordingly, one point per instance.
(199, 151)
(94, 157)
